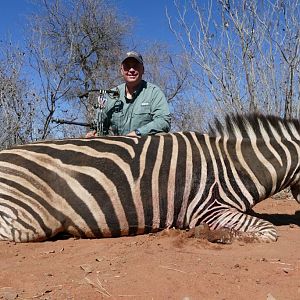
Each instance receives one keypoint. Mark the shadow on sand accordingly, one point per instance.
(280, 219)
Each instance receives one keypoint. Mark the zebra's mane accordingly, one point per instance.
(237, 125)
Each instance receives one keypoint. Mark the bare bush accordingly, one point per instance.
(244, 54)
(17, 101)
(74, 48)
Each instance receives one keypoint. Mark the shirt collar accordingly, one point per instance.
(137, 91)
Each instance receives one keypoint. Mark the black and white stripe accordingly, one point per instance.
(113, 186)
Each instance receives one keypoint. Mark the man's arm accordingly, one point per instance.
(161, 118)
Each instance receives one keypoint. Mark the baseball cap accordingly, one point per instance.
(134, 55)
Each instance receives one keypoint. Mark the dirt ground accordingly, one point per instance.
(167, 265)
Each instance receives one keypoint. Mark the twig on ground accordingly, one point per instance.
(99, 287)
(168, 268)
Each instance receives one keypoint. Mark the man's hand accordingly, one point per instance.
(91, 134)
(132, 133)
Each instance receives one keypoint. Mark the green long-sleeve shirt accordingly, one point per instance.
(148, 111)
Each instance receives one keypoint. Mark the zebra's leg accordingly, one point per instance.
(219, 216)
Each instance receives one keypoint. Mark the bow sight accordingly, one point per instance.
(98, 106)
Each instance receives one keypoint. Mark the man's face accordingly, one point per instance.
(132, 71)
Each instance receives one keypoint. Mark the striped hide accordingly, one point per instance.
(118, 186)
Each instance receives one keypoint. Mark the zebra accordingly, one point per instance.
(120, 186)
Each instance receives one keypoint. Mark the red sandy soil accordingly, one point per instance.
(166, 265)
